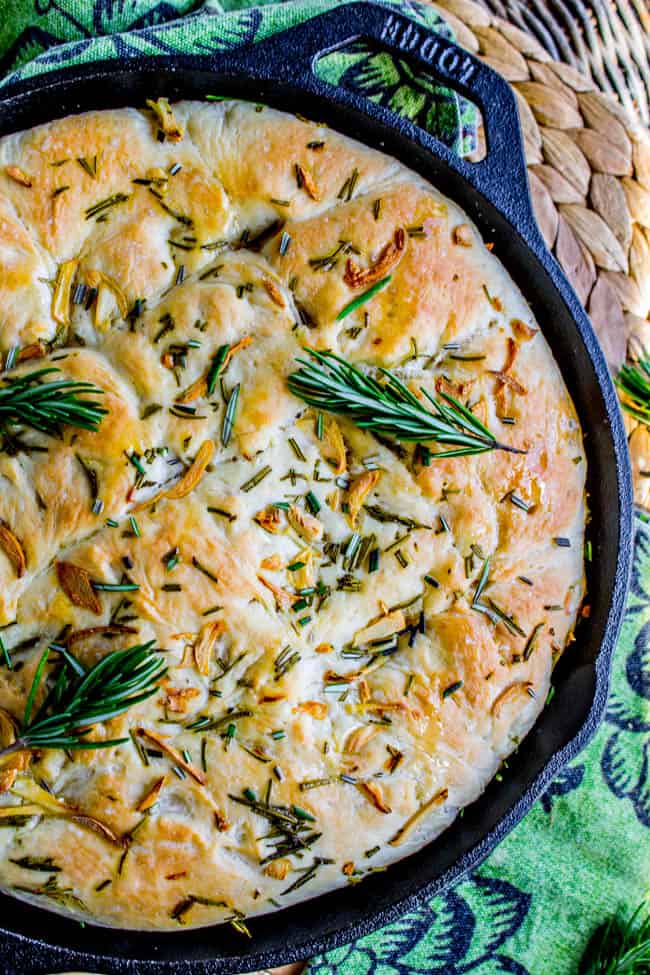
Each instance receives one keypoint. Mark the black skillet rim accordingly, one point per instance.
(242, 72)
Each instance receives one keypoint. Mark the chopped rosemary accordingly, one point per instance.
(285, 660)
(346, 191)
(295, 446)
(452, 688)
(222, 513)
(102, 206)
(135, 460)
(10, 359)
(256, 479)
(309, 872)
(384, 515)
(89, 166)
(229, 416)
(171, 559)
(312, 502)
(216, 367)
(508, 621)
(327, 262)
(206, 572)
(517, 501)
(532, 641)
(309, 784)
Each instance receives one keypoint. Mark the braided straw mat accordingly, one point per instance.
(589, 170)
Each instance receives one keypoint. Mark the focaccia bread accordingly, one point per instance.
(336, 689)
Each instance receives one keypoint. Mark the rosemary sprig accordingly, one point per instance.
(333, 385)
(634, 383)
(47, 406)
(620, 947)
(79, 699)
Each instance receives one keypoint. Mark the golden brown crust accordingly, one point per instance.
(252, 230)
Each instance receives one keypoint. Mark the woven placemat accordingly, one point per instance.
(607, 40)
(589, 168)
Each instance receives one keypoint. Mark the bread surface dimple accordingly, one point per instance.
(377, 703)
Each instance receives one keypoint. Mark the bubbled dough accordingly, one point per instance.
(236, 161)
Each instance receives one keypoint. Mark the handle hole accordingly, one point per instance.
(365, 68)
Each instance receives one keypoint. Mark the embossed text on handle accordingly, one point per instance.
(435, 50)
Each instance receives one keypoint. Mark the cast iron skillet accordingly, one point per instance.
(494, 193)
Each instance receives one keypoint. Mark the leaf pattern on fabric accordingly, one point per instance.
(30, 44)
(242, 30)
(28, 29)
(501, 908)
(66, 32)
(459, 932)
(392, 83)
(445, 939)
(108, 16)
(626, 755)
(402, 935)
(569, 779)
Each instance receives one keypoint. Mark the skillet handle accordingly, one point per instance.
(501, 176)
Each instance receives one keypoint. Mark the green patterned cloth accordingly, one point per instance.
(33, 36)
(583, 852)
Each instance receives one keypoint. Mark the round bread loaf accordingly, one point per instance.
(357, 632)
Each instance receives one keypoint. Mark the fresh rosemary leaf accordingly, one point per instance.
(6, 655)
(363, 298)
(115, 586)
(634, 383)
(620, 947)
(78, 701)
(48, 406)
(331, 384)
